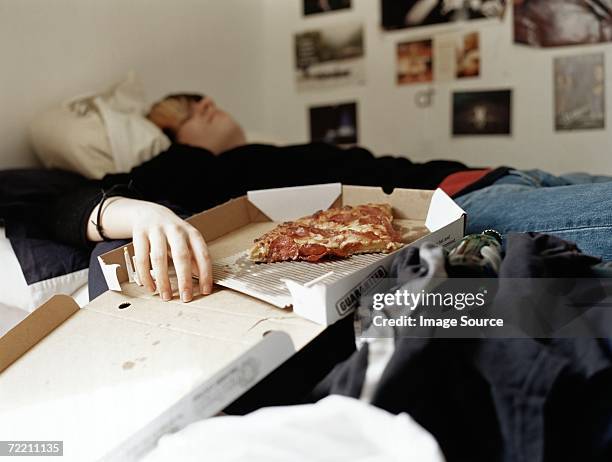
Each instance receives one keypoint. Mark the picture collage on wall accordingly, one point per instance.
(442, 58)
(482, 112)
(415, 62)
(335, 124)
(554, 23)
(324, 6)
(400, 14)
(330, 57)
(579, 92)
(334, 56)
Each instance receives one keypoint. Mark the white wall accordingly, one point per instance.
(241, 52)
(391, 123)
(51, 50)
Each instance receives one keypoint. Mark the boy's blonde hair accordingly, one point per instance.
(172, 111)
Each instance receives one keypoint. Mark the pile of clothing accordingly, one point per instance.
(495, 399)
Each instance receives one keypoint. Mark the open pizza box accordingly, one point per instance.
(111, 378)
(322, 292)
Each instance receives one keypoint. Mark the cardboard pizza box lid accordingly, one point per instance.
(297, 201)
(111, 378)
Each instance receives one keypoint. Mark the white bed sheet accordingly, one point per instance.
(15, 291)
(10, 316)
(17, 299)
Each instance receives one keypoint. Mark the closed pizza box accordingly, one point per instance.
(323, 292)
(109, 379)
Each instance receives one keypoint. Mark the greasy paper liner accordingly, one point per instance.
(265, 281)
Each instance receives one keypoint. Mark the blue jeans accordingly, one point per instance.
(576, 207)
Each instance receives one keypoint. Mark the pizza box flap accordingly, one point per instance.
(442, 211)
(35, 327)
(284, 204)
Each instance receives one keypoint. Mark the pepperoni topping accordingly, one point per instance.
(371, 210)
(337, 232)
(313, 252)
(342, 218)
(283, 248)
(367, 235)
(394, 234)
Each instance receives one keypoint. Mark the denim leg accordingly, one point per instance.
(582, 178)
(541, 179)
(581, 213)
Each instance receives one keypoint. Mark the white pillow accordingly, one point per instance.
(14, 290)
(98, 133)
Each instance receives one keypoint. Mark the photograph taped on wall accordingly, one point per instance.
(415, 62)
(323, 6)
(334, 124)
(482, 112)
(330, 57)
(456, 56)
(580, 92)
(400, 14)
(552, 23)
(468, 56)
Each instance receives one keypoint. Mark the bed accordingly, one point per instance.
(18, 298)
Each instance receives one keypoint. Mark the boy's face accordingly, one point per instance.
(210, 128)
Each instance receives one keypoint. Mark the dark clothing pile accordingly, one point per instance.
(502, 399)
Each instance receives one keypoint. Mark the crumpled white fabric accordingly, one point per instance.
(98, 133)
(335, 429)
(133, 138)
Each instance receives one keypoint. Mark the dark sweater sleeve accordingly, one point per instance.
(170, 177)
(68, 214)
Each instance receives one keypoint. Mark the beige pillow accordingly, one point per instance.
(98, 133)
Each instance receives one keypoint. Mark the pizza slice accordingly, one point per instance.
(337, 232)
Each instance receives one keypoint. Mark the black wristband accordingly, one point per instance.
(116, 190)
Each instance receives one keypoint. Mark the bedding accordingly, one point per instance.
(42, 269)
(33, 267)
(98, 133)
(9, 317)
(12, 315)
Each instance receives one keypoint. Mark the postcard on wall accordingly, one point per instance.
(482, 113)
(330, 57)
(323, 6)
(468, 56)
(580, 92)
(414, 62)
(457, 56)
(552, 23)
(400, 14)
(335, 124)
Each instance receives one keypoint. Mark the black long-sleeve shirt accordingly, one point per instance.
(193, 179)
